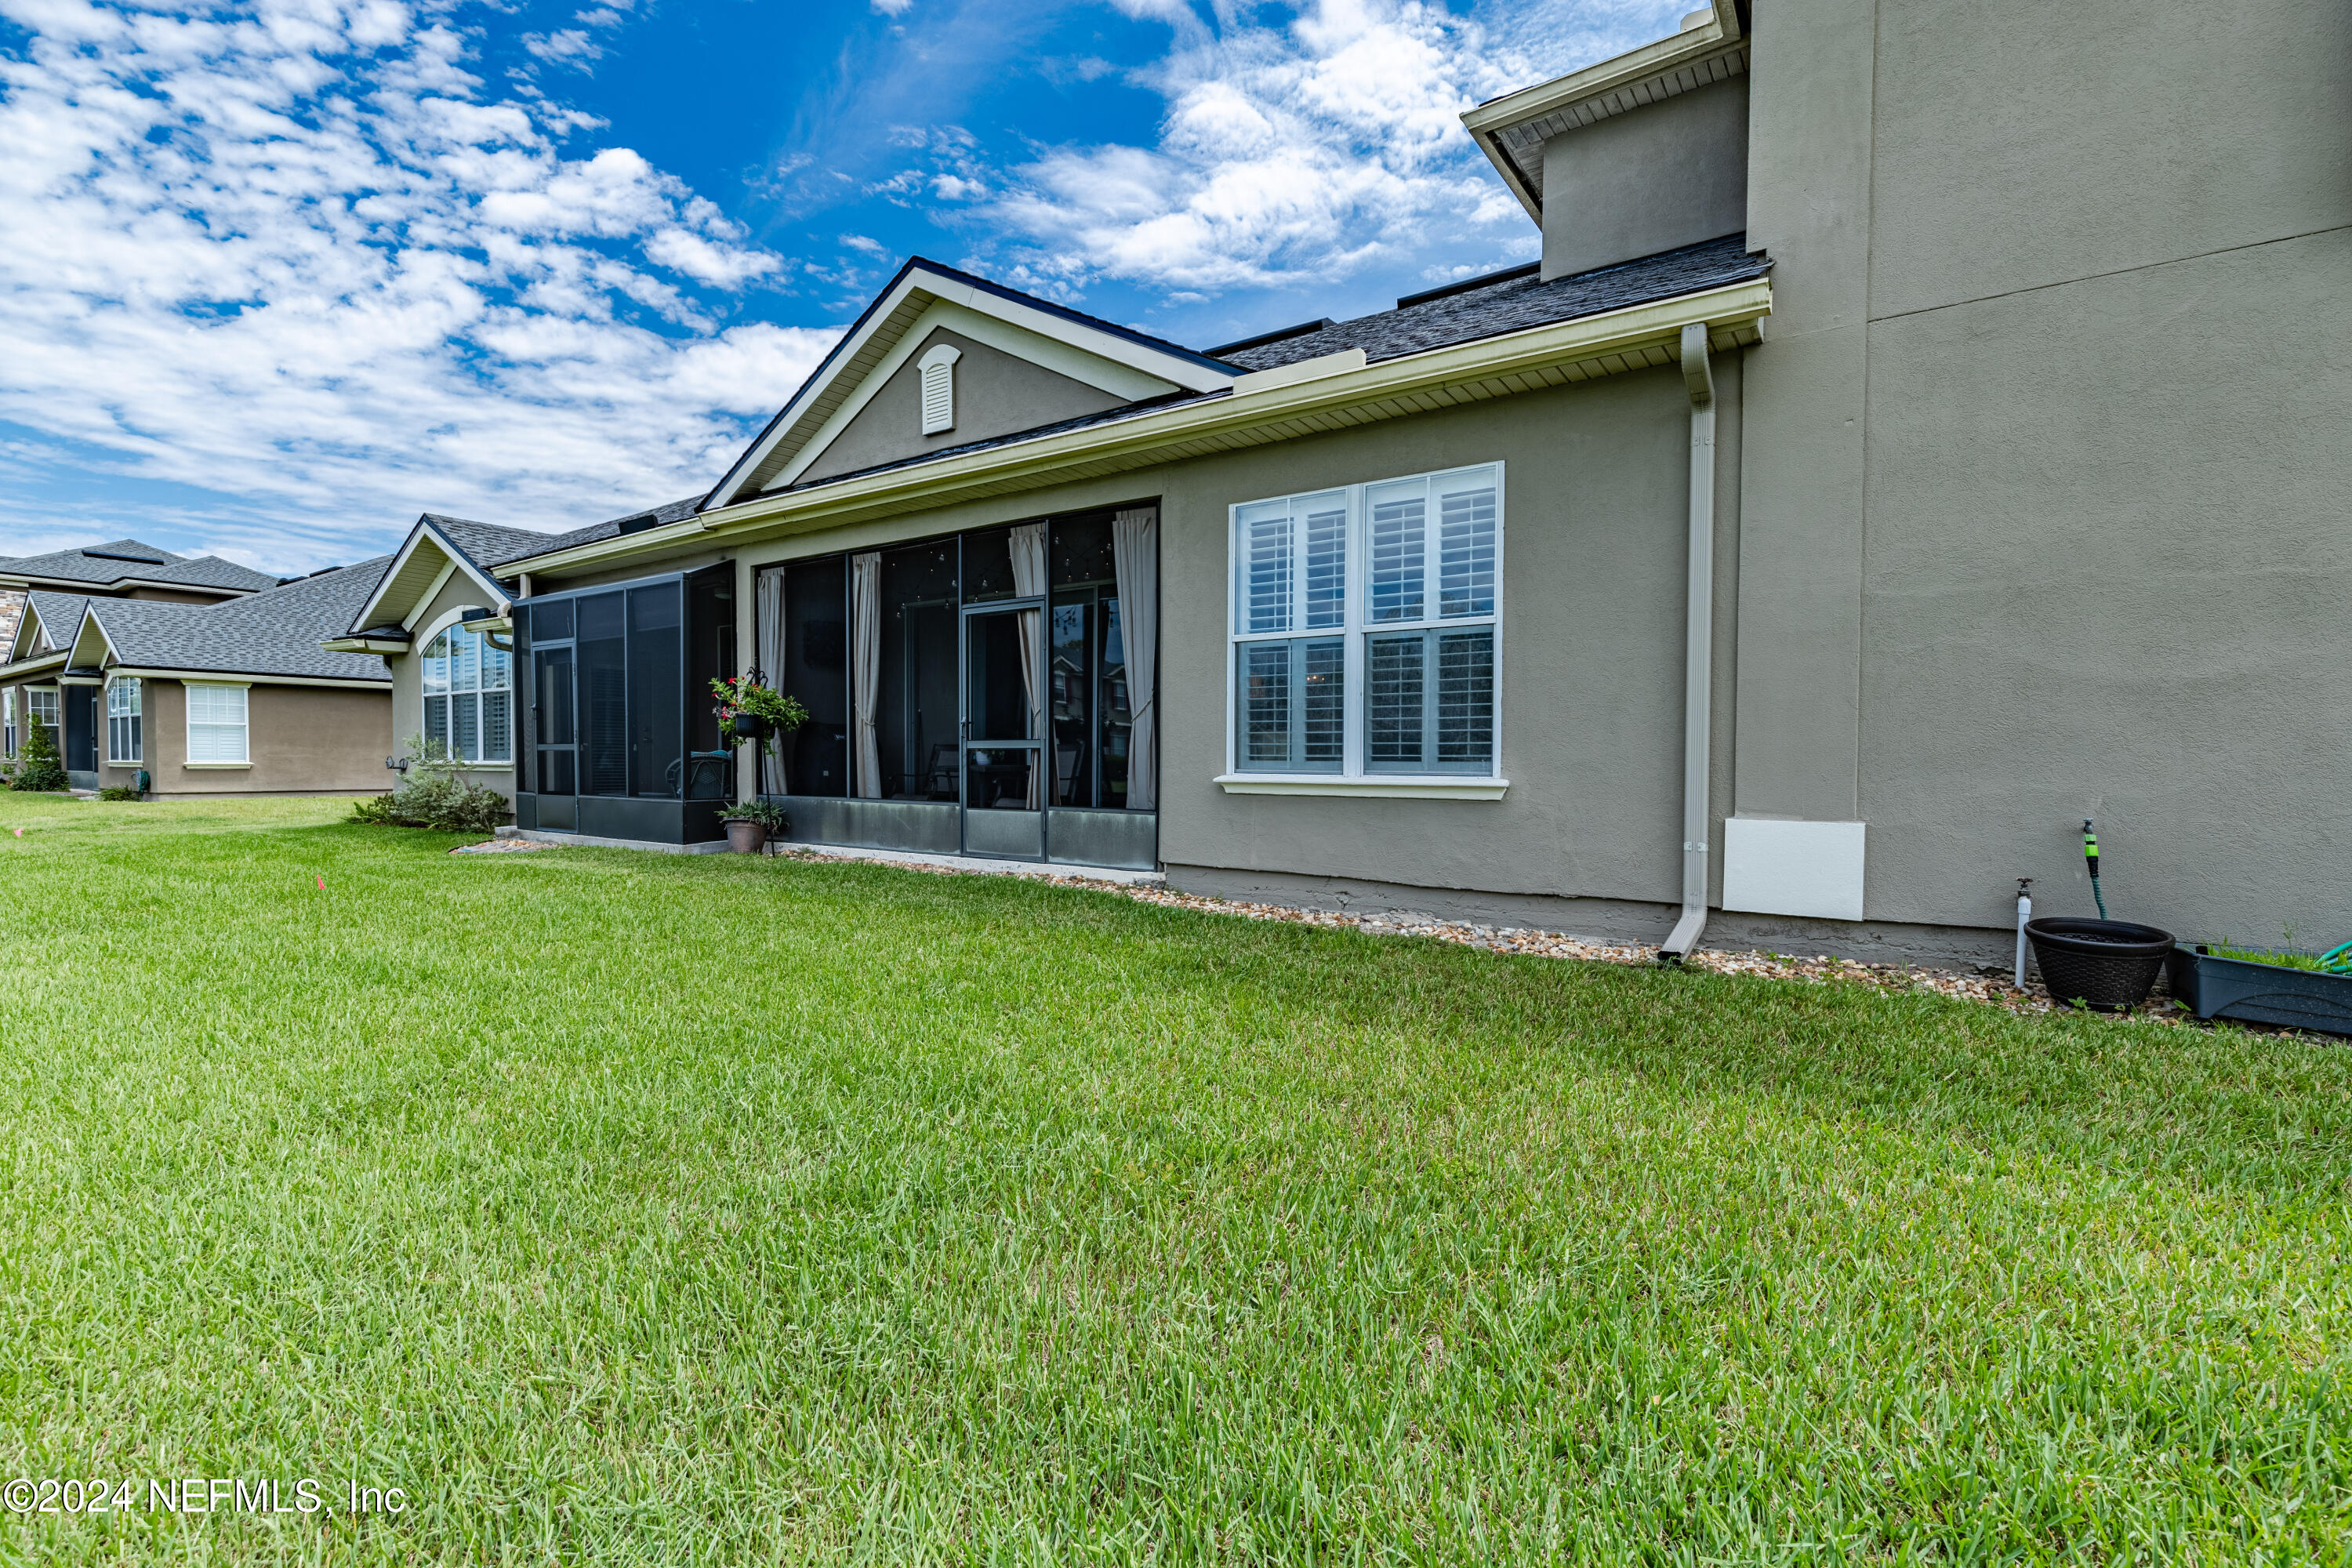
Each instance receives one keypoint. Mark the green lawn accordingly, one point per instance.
(633, 1208)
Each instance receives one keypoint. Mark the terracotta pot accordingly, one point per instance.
(746, 837)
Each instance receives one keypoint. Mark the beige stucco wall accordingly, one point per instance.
(302, 739)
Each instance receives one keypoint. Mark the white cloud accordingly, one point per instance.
(288, 251)
(893, 7)
(1302, 153)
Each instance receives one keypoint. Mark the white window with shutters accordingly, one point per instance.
(468, 684)
(1366, 625)
(217, 726)
(938, 369)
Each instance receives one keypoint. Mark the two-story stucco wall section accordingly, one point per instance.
(2048, 510)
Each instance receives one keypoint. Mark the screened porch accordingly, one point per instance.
(986, 693)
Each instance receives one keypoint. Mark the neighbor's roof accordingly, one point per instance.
(59, 616)
(273, 633)
(127, 560)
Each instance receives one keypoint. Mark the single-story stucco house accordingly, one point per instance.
(1922, 431)
(191, 697)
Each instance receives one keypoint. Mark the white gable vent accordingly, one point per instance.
(938, 365)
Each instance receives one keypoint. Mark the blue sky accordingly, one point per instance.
(281, 273)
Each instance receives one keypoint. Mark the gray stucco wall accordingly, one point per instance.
(2049, 511)
(995, 394)
(1668, 174)
(1596, 508)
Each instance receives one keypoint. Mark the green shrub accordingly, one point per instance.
(38, 767)
(119, 791)
(434, 794)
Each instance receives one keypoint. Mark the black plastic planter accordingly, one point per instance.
(2262, 992)
(2106, 964)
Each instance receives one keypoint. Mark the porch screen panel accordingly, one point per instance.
(657, 678)
(815, 668)
(603, 696)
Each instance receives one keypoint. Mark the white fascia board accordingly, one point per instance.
(1183, 371)
(424, 600)
(423, 534)
(92, 634)
(365, 645)
(239, 677)
(1658, 323)
(30, 669)
(1123, 382)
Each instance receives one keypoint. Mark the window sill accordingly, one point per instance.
(216, 764)
(1404, 786)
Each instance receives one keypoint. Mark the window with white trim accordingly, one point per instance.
(1365, 626)
(469, 697)
(122, 715)
(216, 727)
(937, 368)
(8, 722)
(41, 708)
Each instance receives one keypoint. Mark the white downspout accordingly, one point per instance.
(1698, 656)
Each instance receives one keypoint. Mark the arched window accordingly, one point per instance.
(469, 701)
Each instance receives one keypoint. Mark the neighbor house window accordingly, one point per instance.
(41, 708)
(469, 697)
(122, 706)
(1365, 621)
(216, 727)
(8, 722)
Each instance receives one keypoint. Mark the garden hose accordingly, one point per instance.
(2337, 960)
(2091, 859)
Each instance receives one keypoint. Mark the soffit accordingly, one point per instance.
(1512, 130)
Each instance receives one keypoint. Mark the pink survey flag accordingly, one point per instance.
(322, 881)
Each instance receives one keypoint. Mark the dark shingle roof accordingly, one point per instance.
(273, 633)
(1516, 301)
(546, 544)
(487, 543)
(103, 564)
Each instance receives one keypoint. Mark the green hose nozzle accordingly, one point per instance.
(2091, 859)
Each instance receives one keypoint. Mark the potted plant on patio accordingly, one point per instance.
(749, 824)
(2266, 985)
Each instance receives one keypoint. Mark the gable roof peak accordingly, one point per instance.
(923, 295)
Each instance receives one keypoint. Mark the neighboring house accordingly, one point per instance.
(124, 569)
(181, 697)
(1920, 434)
(437, 619)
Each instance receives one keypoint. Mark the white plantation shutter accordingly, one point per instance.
(1365, 621)
(937, 366)
(216, 729)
